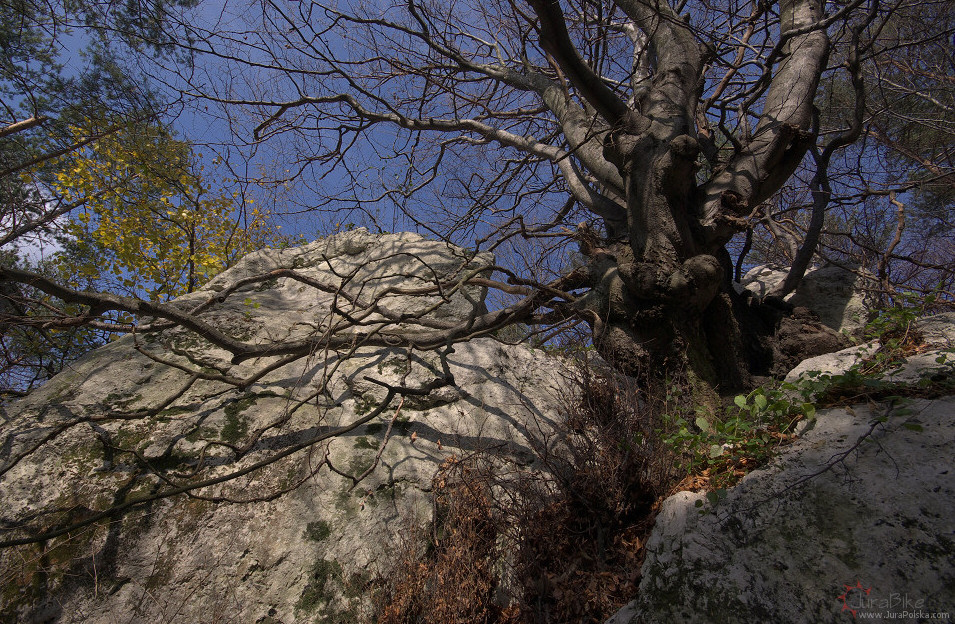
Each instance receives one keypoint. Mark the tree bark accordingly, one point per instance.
(669, 304)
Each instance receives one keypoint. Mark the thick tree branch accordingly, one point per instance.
(22, 126)
(820, 186)
(675, 87)
(555, 40)
(782, 135)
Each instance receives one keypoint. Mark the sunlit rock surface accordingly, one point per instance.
(304, 556)
(857, 514)
(837, 295)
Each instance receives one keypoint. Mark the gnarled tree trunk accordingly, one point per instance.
(661, 299)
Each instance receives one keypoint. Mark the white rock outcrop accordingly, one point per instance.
(857, 515)
(859, 511)
(936, 332)
(304, 556)
(837, 295)
(849, 503)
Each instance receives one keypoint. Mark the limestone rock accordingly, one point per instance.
(937, 332)
(858, 513)
(105, 433)
(836, 295)
(849, 503)
(373, 278)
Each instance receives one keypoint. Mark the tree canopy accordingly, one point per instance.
(90, 168)
(665, 140)
(149, 217)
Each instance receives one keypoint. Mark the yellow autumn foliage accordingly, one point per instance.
(150, 219)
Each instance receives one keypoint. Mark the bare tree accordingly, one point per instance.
(667, 126)
(649, 133)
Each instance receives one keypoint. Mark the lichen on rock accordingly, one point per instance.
(271, 523)
(865, 495)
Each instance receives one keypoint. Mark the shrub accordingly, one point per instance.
(559, 542)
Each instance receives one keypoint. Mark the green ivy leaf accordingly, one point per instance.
(715, 496)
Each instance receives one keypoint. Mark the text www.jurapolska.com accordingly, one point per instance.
(903, 615)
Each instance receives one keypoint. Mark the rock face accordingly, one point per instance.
(835, 294)
(847, 504)
(937, 332)
(857, 515)
(133, 419)
(172, 484)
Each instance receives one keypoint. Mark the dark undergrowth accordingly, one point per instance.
(561, 541)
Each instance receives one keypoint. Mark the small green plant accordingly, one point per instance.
(249, 306)
(746, 436)
(896, 320)
(946, 362)
(776, 405)
(893, 328)
(713, 497)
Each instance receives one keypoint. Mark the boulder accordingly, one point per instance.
(305, 521)
(387, 268)
(837, 295)
(856, 517)
(937, 354)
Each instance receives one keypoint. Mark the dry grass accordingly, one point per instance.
(559, 542)
(453, 579)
